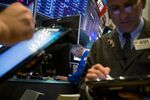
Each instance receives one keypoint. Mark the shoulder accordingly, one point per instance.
(85, 53)
(146, 28)
(147, 22)
(146, 25)
(104, 38)
(103, 42)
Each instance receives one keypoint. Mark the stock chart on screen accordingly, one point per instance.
(61, 8)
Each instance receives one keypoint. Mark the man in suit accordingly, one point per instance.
(80, 52)
(117, 54)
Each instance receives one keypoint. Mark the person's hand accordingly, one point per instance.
(130, 96)
(97, 71)
(64, 78)
(16, 24)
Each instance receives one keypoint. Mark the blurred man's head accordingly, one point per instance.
(77, 50)
(126, 14)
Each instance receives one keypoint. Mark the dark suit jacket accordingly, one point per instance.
(107, 51)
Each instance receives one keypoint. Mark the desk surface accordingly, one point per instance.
(39, 81)
(13, 89)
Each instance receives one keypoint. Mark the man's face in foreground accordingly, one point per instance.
(125, 13)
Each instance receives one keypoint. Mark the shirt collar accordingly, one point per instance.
(137, 29)
(134, 34)
(83, 51)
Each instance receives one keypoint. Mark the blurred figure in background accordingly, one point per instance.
(80, 52)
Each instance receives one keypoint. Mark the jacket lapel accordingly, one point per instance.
(116, 49)
(145, 33)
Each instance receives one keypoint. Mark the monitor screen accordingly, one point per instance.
(90, 22)
(70, 22)
(91, 25)
(53, 9)
(14, 57)
(61, 8)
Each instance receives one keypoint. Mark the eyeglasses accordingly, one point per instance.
(128, 8)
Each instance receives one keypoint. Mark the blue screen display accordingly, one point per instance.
(61, 8)
(21, 51)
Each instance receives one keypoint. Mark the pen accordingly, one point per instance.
(108, 77)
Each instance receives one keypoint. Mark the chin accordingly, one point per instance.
(126, 30)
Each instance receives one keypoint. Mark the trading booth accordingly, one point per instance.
(33, 64)
(28, 68)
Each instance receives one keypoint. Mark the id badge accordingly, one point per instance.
(141, 44)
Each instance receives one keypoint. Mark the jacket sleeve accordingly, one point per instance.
(91, 60)
(75, 78)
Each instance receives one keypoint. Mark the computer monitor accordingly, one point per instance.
(90, 25)
(89, 29)
(14, 58)
(71, 22)
(57, 9)
(61, 8)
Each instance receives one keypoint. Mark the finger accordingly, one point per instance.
(102, 69)
(19, 9)
(98, 73)
(107, 70)
(91, 76)
(26, 18)
(18, 6)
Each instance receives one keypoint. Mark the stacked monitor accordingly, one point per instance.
(89, 28)
(61, 8)
(53, 9)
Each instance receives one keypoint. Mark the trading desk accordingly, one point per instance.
(13, 89)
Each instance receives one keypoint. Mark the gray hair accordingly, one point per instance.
(76, 47)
